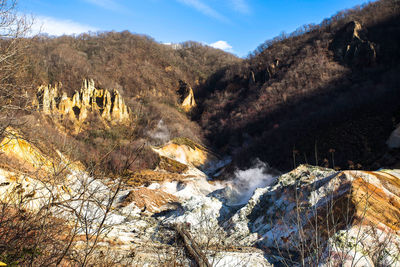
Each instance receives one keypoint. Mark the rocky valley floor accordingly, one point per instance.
(311, 215)
(119, 150)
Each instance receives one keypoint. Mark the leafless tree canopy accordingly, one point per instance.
(295, 93)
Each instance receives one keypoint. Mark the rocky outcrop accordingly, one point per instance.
(271, 69)
(346, 211)
(334, 218)
(151, 200)
(351, 46)
(146, 177)
(187, 152)
(15, 146)
(186, 96)
(394, 139)
(20, 190)
(331, 217)
(109, 105)
(134, 222)
(189, 103)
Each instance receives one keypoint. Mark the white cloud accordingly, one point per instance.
(223, 45)
(106, 4)
(204, 8)
(53, 26)
(240, 6)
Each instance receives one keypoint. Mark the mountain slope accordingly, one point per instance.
(100, 164)
(327, 92)
(154, 81)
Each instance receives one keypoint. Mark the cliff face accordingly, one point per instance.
(351, 45)
(349, 210)
(15, 146)
(110, 105)
(347, 216)
(186, 96)
(187, 152)
(189, 102)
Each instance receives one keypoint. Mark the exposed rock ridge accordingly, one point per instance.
(189, 102)
(186, 96)
(187, 152)
(30, 157)
(352, 46)
(14, 145)
(361, 204)
(271, 69)
(111, 106)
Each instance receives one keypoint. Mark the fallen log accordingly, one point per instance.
(191, 246)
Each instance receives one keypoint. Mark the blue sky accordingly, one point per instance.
(237, 26)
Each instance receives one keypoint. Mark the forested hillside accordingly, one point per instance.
(134, 63)
(152, 78)
(116, 150)
(327, 92)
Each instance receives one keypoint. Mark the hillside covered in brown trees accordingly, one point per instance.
(118, 150)
(152, 78)
(327, 92)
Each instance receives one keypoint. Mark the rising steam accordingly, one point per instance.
(160, 134)
(236, 191)
(245, 182)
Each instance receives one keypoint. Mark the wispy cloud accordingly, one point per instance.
(223, 45)
(240, 6)
(205, 9)
(106, 4)
(57, 27)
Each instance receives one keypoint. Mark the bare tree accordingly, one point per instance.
(13, 29)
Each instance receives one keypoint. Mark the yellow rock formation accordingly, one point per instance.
(376, 197)
(110, 106)
(14, 145)
(187, 152)
(352, 46)
(189, 102)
